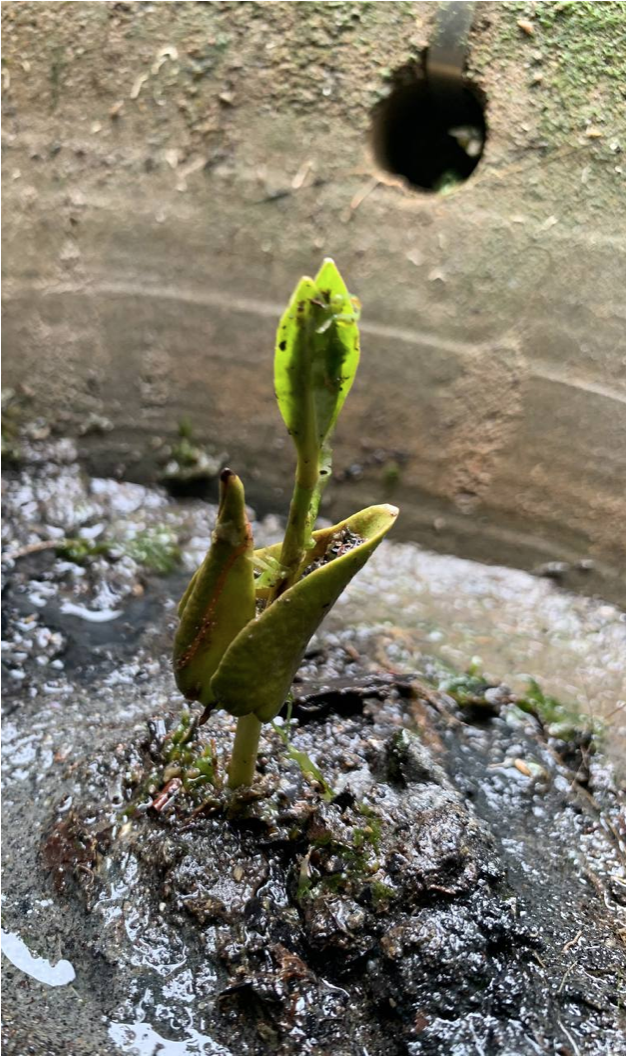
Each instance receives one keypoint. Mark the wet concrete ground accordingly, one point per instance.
(461, 891)
(519, 625)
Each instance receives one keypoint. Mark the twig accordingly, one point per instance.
(31, 549)
(571, 943)
(167, 794)
(566, 1033)
(286, 192)
(564, 978)
(301, 175)
(362, 194)
(618, 708)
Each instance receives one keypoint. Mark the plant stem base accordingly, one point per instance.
(243, 759)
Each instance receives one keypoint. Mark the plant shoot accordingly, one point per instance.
(247, 615)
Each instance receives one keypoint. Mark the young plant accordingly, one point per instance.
(247, 616)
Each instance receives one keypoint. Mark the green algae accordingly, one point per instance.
(575, 59)
(155, 548)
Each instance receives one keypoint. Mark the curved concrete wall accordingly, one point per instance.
(171, 169)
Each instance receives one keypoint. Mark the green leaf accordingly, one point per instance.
(219, 600)
(317, 354)
(258, 668)
(308, 767)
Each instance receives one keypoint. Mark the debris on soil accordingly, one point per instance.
(526, 26)
(339, 544)
(344, 695)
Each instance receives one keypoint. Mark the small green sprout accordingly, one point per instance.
(189, 463)
(308, 767)
(247, 616)
(156, 548)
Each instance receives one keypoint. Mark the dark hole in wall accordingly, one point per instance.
(432, 133)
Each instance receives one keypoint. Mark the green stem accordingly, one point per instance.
(245, 749)
(302, 512)
(297, 531)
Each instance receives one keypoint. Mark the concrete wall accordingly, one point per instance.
(171, 169)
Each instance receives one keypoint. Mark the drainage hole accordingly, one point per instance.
(433, 136)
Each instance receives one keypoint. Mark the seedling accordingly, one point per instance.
(304, 762)
(247, 616)
(189, 463)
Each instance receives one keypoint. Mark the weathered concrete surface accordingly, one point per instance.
(171, 169)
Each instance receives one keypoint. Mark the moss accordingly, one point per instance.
(308, 768)
(304, 887)
(576, 59)
(382, 894)
(155, 549)
(187, 461)
(357, 860)
(181, 755)
(591, 39)
(359, 837)
(184, 450)
(356, 857)
(79, 550)
(333, 883)
(203, 770)
(545, 706)
(323, 841)
(391, 474)
(372, 833)
(467, 689)
(560, 721)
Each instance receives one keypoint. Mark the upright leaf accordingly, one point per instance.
(317, 354)
(220, 599)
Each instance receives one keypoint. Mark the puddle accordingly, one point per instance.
(55, 975)
(140, 1038)
(97, 616)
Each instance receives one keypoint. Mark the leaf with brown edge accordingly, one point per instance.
(257, 670)
(219, 600)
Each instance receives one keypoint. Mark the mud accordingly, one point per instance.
(456, 883)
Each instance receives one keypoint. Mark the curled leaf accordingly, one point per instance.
(259, 665)
(219, 600)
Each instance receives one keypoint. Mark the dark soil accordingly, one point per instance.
(409, 914)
